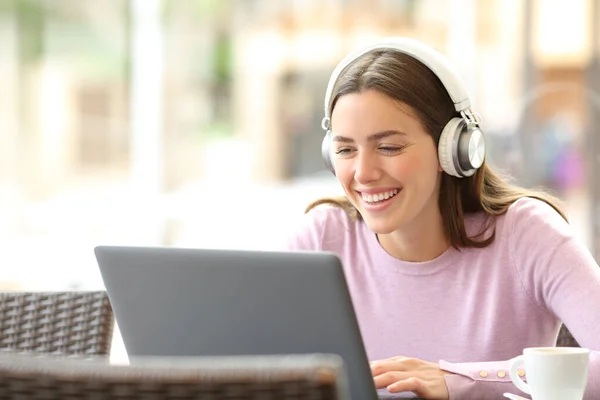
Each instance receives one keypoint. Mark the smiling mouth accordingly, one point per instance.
(379, 197)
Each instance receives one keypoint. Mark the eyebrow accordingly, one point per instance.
(372, 137)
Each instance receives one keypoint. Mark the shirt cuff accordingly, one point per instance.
(472, 380)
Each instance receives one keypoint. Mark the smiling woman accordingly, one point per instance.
(375, 163)
(448, 278)
(385, 91)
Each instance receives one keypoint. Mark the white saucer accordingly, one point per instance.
(514, 396)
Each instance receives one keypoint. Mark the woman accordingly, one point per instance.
(452, 270)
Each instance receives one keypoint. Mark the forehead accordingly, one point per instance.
(370, 111)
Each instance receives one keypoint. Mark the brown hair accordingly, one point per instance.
(407, 80)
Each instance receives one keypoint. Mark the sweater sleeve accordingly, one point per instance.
(307, 233)
(479, 380)
(483, 380)
(561, 277)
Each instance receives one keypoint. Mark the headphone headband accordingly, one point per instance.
(432, 58)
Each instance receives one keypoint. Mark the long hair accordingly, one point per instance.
(408, 81)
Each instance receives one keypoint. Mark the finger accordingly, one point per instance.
(389, 378)
(381, 367)
(397, 358)
(410, 384)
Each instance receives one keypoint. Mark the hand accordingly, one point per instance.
(403, 374)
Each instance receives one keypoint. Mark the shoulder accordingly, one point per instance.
(320, 225)
(533, 217)
(329, 218)
(535, 232)
(552, 262)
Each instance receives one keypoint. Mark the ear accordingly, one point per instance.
(440, 169)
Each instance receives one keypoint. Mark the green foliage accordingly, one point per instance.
(217, 130)
(32, 16)
(199, 9)
(222, 57)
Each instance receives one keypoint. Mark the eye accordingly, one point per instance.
(391, 149)
(343, 151)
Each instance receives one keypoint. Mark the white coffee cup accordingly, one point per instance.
(553, 373)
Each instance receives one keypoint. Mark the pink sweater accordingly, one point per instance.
(472, 310)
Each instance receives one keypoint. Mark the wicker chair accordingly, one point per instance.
(286, 377)
(56, 322)
(565, 338)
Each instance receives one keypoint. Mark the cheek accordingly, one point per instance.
(343, 173)
(420, 171)
(409, 167)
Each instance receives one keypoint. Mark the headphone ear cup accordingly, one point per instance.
(446, 146)
(326, 152)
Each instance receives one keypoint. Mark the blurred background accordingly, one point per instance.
(196, 123)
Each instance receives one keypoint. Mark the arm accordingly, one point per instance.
(466, 381)
(478, 380)
(562, 278)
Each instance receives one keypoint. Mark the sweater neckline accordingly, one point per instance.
(407, 267)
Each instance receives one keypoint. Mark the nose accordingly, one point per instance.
(367, 168)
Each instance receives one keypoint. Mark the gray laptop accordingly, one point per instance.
(193, 302)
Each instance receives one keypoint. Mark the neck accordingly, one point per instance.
(418, 242)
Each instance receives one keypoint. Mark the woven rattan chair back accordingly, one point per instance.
(565, 338)
(294, 377)
(56, 322)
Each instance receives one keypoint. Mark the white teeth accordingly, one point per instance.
(373, 198)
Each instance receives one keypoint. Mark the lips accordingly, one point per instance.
(375, 200)
(379, 196)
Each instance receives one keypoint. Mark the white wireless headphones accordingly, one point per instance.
(461, 148)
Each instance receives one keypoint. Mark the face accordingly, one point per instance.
(385, 161)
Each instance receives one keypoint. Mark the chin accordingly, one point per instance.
(381, 228)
